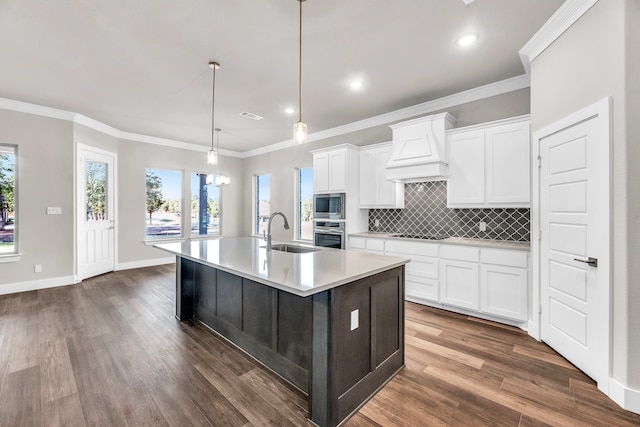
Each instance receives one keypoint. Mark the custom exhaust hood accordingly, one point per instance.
(419, 149)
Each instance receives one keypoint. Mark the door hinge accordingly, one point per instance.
(539, 161)
(539, 308)
(539, 234)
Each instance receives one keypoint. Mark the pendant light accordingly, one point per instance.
(220, 179)
(212, 155)
(300, 128)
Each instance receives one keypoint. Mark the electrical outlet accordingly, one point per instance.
(37, 268)
(482, 226)
(354, 319)
(54, 211)
(377, 223)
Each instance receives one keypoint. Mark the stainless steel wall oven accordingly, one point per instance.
(329, 234)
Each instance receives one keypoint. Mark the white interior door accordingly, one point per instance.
(96, 211)
(574, 241)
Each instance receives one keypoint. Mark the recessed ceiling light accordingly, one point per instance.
(467, 39)
(289, 110)
(356, 84)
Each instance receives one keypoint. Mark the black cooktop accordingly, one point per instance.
(420, 236)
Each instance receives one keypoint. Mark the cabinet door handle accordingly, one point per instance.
(593, 262)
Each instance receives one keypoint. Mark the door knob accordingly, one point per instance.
(593, 262)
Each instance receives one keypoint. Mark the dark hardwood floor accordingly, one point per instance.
(109, 352)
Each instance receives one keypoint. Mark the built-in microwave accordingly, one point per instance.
(328, 206)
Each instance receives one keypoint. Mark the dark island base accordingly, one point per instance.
(308, 341)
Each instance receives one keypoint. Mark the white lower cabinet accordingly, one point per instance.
(459, 283)
(504, 283)
(421, 274)
(485, 281)
(459, 276)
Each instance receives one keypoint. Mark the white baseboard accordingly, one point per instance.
(34, 285)
(145, 263)
(624, 396)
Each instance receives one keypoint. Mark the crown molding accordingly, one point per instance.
(498, 88)
(560, 21)
(38, 110)
(55, 113)
(475, 94)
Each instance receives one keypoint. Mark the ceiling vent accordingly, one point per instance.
(251, 116)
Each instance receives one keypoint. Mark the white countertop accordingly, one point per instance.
(301, 274)
(500, 244)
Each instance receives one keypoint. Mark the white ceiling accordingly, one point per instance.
(142, 66)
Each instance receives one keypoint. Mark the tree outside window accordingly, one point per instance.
(7, 199)
(163, 203)
(305, 203)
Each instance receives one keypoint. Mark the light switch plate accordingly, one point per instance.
(354, 319)
(54, 211)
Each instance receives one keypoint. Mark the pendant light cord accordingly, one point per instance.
(213, 98)
(300, 68)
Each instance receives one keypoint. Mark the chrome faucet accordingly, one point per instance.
(267, 237)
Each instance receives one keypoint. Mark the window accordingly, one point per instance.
(262, 203)
(304, 203)
(205, 205)
(163, 210)
(96, 191)
(7, 200)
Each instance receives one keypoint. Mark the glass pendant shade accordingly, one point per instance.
(212, 157)
(300, 132)
(222, 180)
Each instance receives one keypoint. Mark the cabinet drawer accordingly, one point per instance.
(461, 253)
(425, 289)
(357, 243)
(412, 248)
(375, 245)
(426, 267)
(504, 257)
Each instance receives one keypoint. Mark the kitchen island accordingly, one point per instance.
(329, 321)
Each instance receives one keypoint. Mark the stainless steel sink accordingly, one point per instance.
(293, 248)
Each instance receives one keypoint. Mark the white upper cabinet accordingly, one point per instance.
(490, 165)
(508, 164)
(466, 168)
(375, 191)
(335, 169)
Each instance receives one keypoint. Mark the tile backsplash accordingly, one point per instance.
(426, 212)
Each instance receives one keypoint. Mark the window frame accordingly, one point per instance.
(14, 255)
(296, 203)
(255, 203)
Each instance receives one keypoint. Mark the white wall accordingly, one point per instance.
(45, 178)
(133, 160)
(586, 64)
(632, 80)
(46, 153)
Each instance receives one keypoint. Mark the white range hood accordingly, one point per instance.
(419, 149)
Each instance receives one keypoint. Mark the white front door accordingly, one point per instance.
(95, 217)
(574, 241)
